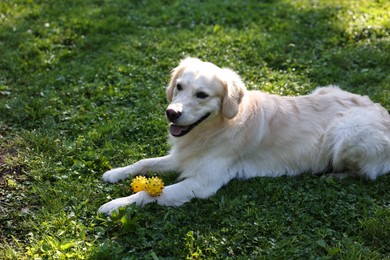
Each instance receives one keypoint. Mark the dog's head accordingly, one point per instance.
(200, 91)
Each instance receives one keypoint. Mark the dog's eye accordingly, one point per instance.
(202, 95)
(179, 87)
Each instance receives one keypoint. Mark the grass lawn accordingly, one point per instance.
(82, 90)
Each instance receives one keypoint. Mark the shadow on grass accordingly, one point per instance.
(275, 46)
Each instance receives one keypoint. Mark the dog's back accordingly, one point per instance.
(330, 129)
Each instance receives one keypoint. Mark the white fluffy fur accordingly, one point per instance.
(251, 133)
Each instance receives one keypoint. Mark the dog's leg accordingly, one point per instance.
(360, 143)
(139, 198)
(172, 195)
(204, 184)
(159, 164)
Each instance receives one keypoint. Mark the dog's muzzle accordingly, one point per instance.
(172, 115)
(180, 130)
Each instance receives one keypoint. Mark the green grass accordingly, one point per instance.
(82, 91)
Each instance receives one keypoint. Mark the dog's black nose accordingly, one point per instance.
(172, 115)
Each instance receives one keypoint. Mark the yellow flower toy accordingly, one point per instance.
(139, 183)
(153, 186)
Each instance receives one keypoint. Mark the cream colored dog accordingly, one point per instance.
(220, 131)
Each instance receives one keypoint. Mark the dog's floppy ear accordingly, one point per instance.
(234, 91)
(176, 72)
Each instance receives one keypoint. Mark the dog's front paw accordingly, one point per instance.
(113, 205)
(140, 198)
(114, 175)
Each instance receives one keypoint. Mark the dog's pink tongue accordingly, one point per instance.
(177, 129)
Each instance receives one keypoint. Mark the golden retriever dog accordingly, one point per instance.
(220, 131)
